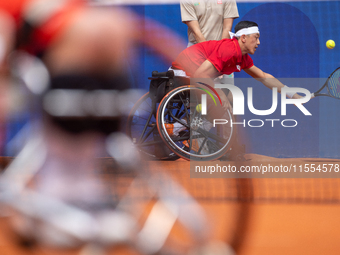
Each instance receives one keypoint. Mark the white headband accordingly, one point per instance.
(244, 31)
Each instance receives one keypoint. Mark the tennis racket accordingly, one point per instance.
(332, 84)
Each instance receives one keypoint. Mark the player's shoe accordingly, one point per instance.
(174, 129)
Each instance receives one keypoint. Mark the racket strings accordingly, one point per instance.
(334, 84)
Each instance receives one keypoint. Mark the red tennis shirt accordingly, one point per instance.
(224, 54)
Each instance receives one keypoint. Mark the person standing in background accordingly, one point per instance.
(208, 19)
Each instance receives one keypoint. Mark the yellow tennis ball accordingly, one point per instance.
(199, 108)
(330, 44)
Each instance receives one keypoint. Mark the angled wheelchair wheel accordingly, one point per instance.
(187, 132)
(142, 128)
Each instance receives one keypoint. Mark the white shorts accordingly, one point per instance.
(178, 72)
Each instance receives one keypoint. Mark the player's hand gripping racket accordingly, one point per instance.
(332, 84)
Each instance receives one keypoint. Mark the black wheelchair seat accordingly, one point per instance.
(163, 82)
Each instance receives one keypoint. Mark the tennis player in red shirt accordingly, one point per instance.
(210, 59)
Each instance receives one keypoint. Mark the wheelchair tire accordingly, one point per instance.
(142, 129)
(179, 106)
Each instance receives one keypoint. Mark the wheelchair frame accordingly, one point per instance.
(165, 124)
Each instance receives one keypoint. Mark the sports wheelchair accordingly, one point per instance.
(167, 123)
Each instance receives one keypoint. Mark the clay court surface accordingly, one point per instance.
(256, 216)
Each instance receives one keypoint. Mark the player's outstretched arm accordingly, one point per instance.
(267, 79)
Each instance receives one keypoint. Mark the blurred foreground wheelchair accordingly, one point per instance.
(57, 198)
(167, 122)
